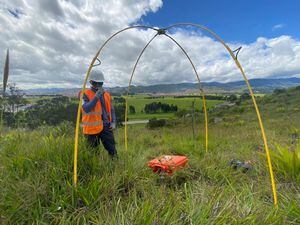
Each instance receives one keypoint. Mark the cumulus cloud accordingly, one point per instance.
(52, 43)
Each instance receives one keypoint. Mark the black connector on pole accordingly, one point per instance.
(98, 64)
(236, 51)
(161, 31)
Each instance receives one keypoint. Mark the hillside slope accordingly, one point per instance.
(36, 173)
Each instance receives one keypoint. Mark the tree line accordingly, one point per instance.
(155, 107)
(17, 112)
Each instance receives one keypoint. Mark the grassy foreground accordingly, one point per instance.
(36, 175)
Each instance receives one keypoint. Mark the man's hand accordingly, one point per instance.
(99, 93)
(113, 126)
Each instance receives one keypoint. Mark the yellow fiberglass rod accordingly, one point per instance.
(200, 88)
(129, 84)
(75, 177)
(273, 184)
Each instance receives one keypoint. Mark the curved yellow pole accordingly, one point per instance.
(83, 89)
(253, 100)
(129, 84)
(200, 88)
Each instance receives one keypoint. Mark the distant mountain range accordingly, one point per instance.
(259, 86)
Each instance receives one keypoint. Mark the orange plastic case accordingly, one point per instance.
(168, 163)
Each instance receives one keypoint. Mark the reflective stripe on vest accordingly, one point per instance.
(107, 102)
(91, 113)
(96, 123)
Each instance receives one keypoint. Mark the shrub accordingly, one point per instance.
(154, 123)
(131, 109)
(182, 113)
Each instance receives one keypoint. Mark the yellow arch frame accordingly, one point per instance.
(197, 76)
(162, 31)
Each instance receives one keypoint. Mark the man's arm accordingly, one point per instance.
(113, 115)
(87, 105)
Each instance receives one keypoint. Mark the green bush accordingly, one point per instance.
(182, 112)
(131, 109)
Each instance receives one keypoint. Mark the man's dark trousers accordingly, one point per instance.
(107, 138)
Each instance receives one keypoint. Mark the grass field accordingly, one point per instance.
(139, 102)
(36, 173)
(32, 100)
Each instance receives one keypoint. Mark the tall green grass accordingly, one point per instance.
(287, 161)
(36, 181)
(36, 175)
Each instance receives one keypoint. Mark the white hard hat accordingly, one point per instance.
(97, 76)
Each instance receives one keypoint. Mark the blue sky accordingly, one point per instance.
(234, 20)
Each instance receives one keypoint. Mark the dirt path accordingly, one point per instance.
(132, 122)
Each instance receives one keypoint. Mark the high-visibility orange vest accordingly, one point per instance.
(92, 122)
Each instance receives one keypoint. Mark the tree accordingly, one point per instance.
(10, 102)
(50, 112)
(119, 100)
(120, 113)
(131, 109)
(232, 98)
(15, 98)
(155, 107)
(245, 96)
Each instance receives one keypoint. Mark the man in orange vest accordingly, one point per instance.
(98, 114)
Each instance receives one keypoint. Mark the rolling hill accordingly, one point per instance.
(259, 86)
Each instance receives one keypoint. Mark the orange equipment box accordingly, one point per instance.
(168, 163)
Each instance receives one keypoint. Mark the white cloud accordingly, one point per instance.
(278, 26)
(52, 42)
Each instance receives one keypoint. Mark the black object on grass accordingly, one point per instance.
(236, 164)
